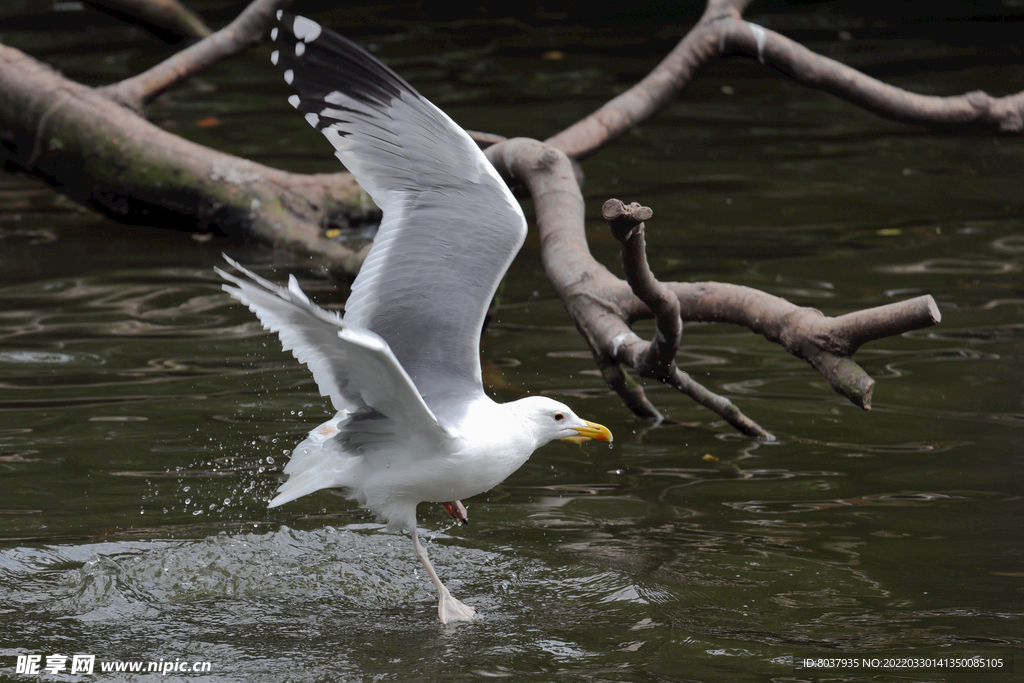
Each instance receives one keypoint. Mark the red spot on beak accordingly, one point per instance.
(457, 510)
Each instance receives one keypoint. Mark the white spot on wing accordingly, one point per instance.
(289, 76)
(273, 33)
(306, 29)
(294, 101)
(274, 56)
(299, 49)
(313, 119)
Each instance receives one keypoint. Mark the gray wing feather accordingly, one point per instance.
(354, 367)
(451, 227)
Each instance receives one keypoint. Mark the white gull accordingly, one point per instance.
(402, 367)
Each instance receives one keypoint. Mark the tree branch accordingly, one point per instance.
(977, 108)
(652, 93)
(627, 225)
(603, 307)
(721, 31)
(656, 359)
(246, 31)
(124, 167)
(826, 343)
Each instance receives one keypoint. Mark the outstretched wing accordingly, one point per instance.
(354, 367)
(451, 226)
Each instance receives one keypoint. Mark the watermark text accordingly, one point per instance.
(35, 665)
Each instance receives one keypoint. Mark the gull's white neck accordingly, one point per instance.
(495, 439)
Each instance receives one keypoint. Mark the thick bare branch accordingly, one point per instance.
(246, 31)
(647, 97)
(119, 164)
(826, 343)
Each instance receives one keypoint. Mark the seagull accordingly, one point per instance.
(402, 366)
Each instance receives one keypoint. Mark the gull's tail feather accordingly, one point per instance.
(316, 463)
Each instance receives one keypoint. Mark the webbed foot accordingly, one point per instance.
(450, 609)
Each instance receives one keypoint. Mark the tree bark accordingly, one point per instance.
(246, 31)
(110, 160)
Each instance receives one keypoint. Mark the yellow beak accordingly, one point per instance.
(591, 431)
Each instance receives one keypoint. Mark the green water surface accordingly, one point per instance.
(145, 417)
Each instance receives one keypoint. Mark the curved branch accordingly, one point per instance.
(627, 226)
(977, 108)
(721, 31)
(246, 31)
(648, 96)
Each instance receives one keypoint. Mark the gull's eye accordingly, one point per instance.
(559, 417)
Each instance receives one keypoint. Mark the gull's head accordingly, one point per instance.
(550, 420)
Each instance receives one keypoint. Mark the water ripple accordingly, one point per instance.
(898, 499)
(953, 266)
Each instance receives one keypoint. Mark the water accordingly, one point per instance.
(144, 417)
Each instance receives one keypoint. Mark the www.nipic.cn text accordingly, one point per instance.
(87, 664)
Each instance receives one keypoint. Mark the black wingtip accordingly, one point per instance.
(318, 61)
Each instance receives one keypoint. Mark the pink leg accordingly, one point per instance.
(448, 608)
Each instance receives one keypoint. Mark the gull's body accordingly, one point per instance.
(402, 367)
